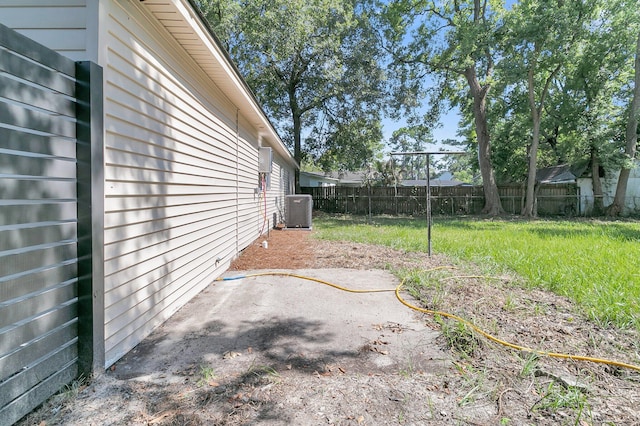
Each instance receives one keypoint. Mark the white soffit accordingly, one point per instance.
(186, 26)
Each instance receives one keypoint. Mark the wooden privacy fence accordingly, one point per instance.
(46, 129)
(561, 199)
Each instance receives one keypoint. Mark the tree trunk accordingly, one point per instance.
(529, 200)
(615, 209)
(297, 150)
(492, 203)
(528, 210)
(297, 144)
(596, 183)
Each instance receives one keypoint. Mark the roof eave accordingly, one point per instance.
(223, 68)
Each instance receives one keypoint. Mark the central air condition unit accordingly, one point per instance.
(298, 211)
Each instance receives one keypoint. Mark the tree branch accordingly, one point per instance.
(442, 16)
(546, 86)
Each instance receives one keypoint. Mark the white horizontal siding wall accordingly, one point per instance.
(254, 214)
(60, 25)
(181, 161)
(248, 197)
(279, 188)
(172, 179)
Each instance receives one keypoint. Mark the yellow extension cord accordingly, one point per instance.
(444, 314)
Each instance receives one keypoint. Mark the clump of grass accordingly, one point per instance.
(592, 263)
(425, 287)
(71, 391)
(262, 372)
(207, 374)
(509, 303)
(474, 384)
(555, 398)
(530, 365)
(458, 337)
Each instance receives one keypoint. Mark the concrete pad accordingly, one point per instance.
(285, 323)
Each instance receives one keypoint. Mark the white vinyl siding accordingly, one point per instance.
(248, 197)
(180, 157)
(58, 24)
(179, 180)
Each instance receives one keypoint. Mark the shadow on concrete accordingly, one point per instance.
(241, 364)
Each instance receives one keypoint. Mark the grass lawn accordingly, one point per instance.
(595, 263)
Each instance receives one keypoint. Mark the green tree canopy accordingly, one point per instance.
(453, 42)
(541, 38)
(314, 65)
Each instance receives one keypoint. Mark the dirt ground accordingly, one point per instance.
(485, 383)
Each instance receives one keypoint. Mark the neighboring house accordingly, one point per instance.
(556, 175)
(445, 179)
(182, 136)
(354, 179)
(609, 184)
(357, 179)
(320, 179)
(317, 179)
(432, 182)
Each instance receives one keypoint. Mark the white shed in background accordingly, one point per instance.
(182, 191)
(609, 185)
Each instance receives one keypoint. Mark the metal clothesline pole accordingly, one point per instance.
(428, 154)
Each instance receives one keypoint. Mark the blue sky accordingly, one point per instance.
(447, 130)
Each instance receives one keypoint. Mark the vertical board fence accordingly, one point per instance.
(41, 247)
(551, 200)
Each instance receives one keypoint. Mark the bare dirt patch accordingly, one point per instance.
(486, 383)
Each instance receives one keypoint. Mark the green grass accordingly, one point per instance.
(207, 374)
(594, 263)
(556, 397)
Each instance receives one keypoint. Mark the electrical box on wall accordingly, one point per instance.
(265, 160)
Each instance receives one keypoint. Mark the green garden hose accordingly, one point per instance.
(444, 314)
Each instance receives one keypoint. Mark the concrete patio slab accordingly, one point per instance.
(285, 323)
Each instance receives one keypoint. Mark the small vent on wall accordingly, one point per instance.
(298, 211)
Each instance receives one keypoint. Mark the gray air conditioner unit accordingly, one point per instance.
(298, 211)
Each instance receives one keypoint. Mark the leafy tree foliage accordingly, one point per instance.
(542, 38)
(346, 145)
(541, 83)
(387, 173)
(314, 66)
(625, 23)
(411, 139)
(576, 118)
(453, 42)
